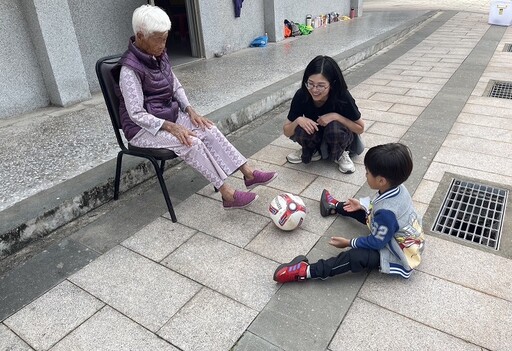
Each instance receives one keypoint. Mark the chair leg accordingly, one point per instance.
(117, 179)
(160, 177)
(162, 166)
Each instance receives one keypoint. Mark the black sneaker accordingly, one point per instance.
(327, 204)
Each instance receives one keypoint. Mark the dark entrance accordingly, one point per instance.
(180, 41)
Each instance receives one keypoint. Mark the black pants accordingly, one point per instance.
(353, 260)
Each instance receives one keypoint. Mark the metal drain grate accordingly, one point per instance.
(502, 90)
(473, 212)
(507, 48)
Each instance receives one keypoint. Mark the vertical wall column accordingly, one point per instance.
(53, 35)
(357, 5)
(271, 26)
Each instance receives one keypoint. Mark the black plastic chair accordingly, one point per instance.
(108, 78)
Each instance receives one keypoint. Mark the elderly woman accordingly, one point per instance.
(155, 112)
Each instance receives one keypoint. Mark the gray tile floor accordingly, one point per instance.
(206, 282)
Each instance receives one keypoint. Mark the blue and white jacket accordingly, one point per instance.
(395, 231)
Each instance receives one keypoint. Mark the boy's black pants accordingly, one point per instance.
(354, 260)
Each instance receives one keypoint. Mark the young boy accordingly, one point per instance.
(396, 237)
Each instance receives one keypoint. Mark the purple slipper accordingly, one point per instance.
(242, 199)
(260, 178)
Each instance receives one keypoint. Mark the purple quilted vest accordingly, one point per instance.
(157, 87)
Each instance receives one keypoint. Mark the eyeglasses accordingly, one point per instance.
(319, 87)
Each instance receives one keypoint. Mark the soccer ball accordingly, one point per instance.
(287, 211)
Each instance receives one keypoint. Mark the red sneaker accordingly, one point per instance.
(260, 178)
(295, 270)
(327, 204)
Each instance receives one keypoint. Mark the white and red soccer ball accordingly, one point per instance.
(287, 211)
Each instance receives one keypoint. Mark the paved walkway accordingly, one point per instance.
(57, 163)
(205, 283)
(480, 6)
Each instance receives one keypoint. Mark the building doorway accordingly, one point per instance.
(184, 43)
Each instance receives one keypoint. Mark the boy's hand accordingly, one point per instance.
(339, 242)
(352, 205)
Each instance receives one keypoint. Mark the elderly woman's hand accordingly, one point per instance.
(198, 120)
(180, 132)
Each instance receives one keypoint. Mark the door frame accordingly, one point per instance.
(195, 29)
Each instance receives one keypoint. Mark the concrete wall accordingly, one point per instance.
(51, 47)
(21, 80)
(53, 35)
(222, 29)
(296, 11)
(102, 28)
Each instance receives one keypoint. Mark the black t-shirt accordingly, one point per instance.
(300, 107)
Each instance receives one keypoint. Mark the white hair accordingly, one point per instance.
(149, 19)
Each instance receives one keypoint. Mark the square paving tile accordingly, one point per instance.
(282, 246)
(52, 316)
(313, 223)
(110, 330)
(488, 110)
(290, 178)
(412, 85)
(10, 341)
(468, 159)
(407, 109)
(227, 269)
(341, 191)
(158, 239)
(409, 100)
(468, 136)
(237, 226)
(436, 171)
(392, 130)
(425, 191)
(24, 283)
(284, 141)
(467, 314)
(251, 342)
(329, 169)
(448, 260)
(470, 118)
(305, 316)
(489, 101)
(210, 321)
(372, 139)
(388, 117)
(421, 93)
(272, 154)
(141, 289)
(367, 316)
(374, 105)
